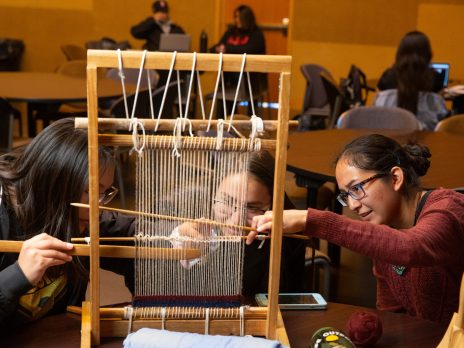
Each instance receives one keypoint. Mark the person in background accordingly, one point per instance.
(412, 84)
(37, 186)
(414, 236)
(151, 28)
(243, 36)
(228, 208)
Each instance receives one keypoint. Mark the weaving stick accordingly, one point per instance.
(175, 218)
(127, 252)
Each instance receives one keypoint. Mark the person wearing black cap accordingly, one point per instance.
(151, 28)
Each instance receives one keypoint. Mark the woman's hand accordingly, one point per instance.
(221, 48)
(41, 252)
(293, 221)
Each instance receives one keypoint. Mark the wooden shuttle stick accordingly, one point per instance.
(9, 246)
(181, 219)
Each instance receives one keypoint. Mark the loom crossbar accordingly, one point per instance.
(185, 142)
(116, 251)
(168, 125)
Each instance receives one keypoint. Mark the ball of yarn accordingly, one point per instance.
(364, 328)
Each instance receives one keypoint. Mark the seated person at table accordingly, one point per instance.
(151, 28)
(227, 208)
(37, 185)
(411, 84)
(415, 237)
(242, 37)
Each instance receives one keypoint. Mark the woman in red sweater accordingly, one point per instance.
(415, 237)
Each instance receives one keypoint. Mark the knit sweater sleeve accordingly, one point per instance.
(436, 239)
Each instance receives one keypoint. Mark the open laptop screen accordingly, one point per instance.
(443, 71)
(174, 42)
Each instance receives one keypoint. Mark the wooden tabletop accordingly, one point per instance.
(43, 87)
(312, 154)
(398, 330)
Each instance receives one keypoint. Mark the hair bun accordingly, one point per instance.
(418, 156)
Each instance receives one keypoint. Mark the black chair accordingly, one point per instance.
(315, 109)
(259, 88)
(334, 98)
(143, 103)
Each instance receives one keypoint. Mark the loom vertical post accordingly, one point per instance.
(278, 204)
(92, 105)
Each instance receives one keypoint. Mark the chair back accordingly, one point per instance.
(73, 68)
(143, 103)
(377, 117)
(74, 52)
(452, 124)
(7, 122)
(77, 68)
(334, 98)
(315, 94)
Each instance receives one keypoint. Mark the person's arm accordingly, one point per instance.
(144, 29)
(220, 46)
(176, 29)
(436, 239)
(254, 45)
(13, 284)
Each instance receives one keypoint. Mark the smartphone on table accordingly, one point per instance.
(295, 300)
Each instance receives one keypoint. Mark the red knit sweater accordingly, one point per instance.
(432, 251)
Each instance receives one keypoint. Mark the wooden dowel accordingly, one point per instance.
(132, 239)
(176, 218)
(115, 251)
(165, 217)
(167, 142)
(168, 124)
(118, 312)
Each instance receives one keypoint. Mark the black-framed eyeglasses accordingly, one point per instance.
(108, 195)
(357, 191)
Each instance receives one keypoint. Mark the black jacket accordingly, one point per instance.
(14, 284)
(150, 31)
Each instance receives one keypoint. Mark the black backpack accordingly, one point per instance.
(355, 88)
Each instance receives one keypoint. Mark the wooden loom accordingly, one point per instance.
(98, 322)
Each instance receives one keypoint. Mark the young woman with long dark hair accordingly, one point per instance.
(411, 83)
(37, 186)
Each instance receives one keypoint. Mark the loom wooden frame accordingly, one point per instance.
(93, 326)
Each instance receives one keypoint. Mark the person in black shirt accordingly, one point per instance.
(151, 28)
(242, 37)
(37, 185)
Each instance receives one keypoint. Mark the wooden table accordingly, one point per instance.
(52, 89)
(399, 330)
(311, 158)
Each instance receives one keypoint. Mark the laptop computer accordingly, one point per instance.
(443, 72)
(174, 42)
